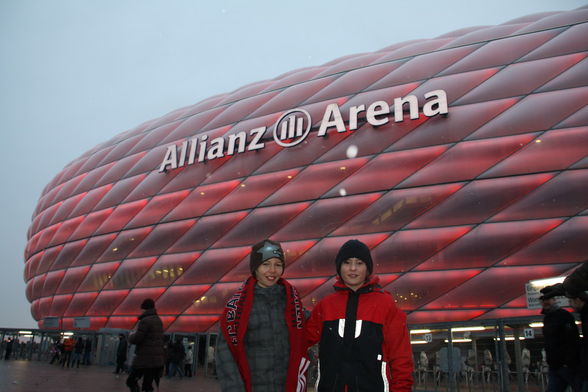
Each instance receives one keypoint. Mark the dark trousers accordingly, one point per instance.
(56, 355)
(175, 367)
(120, 365)
(583, 384)
(66, 359)
(188, 369)
(560, 379)
(149, 375)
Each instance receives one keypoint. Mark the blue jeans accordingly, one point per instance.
(560, 378)
(174, 368)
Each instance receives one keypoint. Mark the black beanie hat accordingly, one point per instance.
(549, 292)
(263, 251)
(148, 304)
(354, 248)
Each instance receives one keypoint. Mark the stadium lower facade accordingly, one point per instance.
(462, 161)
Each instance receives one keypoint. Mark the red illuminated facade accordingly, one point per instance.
(460, 209)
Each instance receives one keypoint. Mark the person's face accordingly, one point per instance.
(268, 273)
(547, 304)
(353, 273)
(577, 304)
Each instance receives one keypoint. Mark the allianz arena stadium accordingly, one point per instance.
(462, 161)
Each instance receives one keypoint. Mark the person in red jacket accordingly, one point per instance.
(364, 342)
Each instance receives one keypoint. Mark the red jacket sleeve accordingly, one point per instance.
(313, 326)
(398, 351)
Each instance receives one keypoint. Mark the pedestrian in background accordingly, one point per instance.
(562, 342)
(177, 355)
(148, 340)
(188, 361)
(121, 354)
(56, 348)
(77, 352)
(87, 351)
(261, 346)
(579, 301)
(9, 345)
(364, 341)
(68, 347)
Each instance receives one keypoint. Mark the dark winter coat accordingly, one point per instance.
(121, 351)
(79, 348)
(149, 341)
(177, 352)
(561, 337)
(584, 348)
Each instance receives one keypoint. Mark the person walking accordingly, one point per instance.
(364, 341)
(562, 341)
(579, 301)
(177, 355)
(56, 348)
(261, 344)
(68, 347)
(188, 361)
(77, 352)
(87, 351)
(121, 354)
(148, 340)
(9, 345)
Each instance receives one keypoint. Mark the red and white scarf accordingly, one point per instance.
(234, 323)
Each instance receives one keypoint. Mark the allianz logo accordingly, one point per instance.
(294, 126)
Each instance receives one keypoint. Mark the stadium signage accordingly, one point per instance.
(295, 125)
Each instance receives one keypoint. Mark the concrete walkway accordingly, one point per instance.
(35, 376)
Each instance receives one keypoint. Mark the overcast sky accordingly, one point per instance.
(75, 73)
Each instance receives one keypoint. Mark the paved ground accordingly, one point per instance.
(35, 376)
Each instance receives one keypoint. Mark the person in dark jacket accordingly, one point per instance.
(56, 351)
(148, 339)
(364, 341)
(9, 346)
(176, 357)
(579, 301)
(78, 352)
(562, 341)
(261, 344)
(121, 354)
(87, 351)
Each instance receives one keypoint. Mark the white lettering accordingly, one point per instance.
(440, 102)
(192, 156)
(183, 150)
(202, 149)
(377, 113)
(170, 159)
(241, 136)
(332, 111)
(257, 134)
(377, 108)
(216, 148)
(413, 105)
(353, 112)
